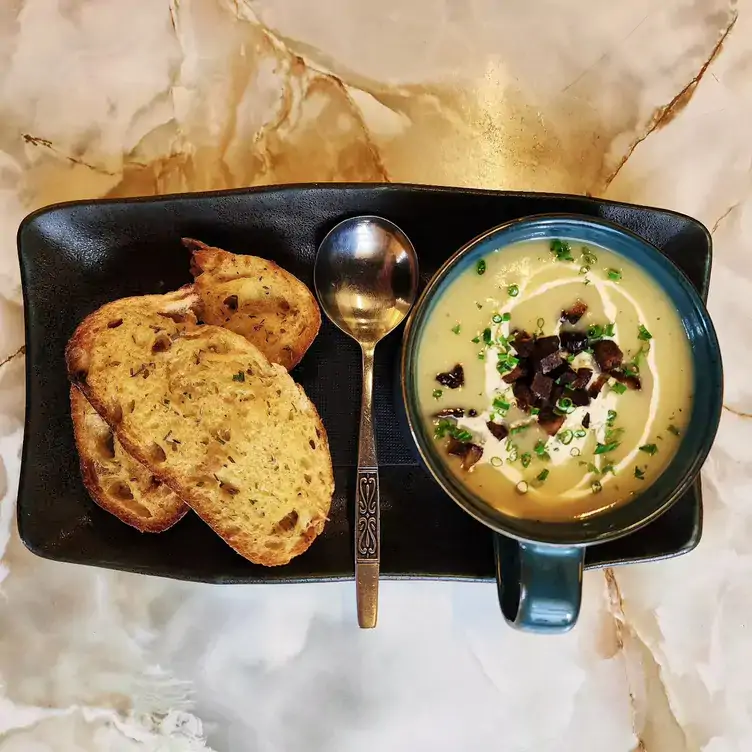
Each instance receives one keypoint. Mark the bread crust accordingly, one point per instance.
(84, 358)
(163, 504)
(257, 299)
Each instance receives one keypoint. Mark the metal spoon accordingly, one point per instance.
(366, 278)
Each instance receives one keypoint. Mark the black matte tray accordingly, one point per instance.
(75, 257)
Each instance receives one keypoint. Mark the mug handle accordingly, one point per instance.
(539, 586)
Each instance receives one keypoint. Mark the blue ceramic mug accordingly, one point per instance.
(540, 563)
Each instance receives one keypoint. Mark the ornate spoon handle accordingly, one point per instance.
(367, 523)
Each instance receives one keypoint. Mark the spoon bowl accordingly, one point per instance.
(366, 279)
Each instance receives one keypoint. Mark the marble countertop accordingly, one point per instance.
(633, 100)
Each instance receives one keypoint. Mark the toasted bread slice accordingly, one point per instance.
(255, 298)
(206, 413)
(116, 481)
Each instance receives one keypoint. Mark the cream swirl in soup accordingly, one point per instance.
(556, 379)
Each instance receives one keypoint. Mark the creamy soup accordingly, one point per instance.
(556, 379)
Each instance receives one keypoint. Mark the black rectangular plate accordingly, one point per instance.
(76, 257)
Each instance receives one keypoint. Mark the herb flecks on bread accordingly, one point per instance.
(255, 298)
(206, 413)
(116, 481)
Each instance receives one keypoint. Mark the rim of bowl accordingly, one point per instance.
(600, 527)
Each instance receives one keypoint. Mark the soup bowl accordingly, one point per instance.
(540, 562)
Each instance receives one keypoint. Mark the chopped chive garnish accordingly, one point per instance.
(589, 257)
(496, 318)
(481, 355)
(634, 366)
(513, 454)
(618, 388)
(596, 486)
(643, 333)
(613, 274)
(562, 251)
(519, 429)
(475, 340)
(239, 376)
(506, 362)
(565, 405)
(609, 469)
(542, 475)
(584, 269)
(580, 433)
(478, 305)
(613, 433)
(540, 323)
(603, 448)
(480, 267)
(611, 417)
(497, 461)
(437, 393)
(673, 429)
(586, 281)
(487, 336)
(570, 358)
(522, 487)
(513, 291)
(506, 316)
(639, 474)
(500, 403)
(650, 449)
(609, 330)
(526, 459)
(595, 332)
(535, 411)
(631, 369)
(574, 451)
(592, 468)
(565, 437)
(540, 448)
(456, 329)
(442, 427)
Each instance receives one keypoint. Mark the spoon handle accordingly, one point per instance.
(367, 513)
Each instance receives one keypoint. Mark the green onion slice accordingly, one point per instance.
(643, 333)
(604, 448)
(565, 437)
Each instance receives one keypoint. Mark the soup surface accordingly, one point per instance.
(556, 379)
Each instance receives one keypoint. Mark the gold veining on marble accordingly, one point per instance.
(640, 101)
(665, 114)
(21, 351)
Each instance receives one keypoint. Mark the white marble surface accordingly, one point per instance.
(635, 100)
